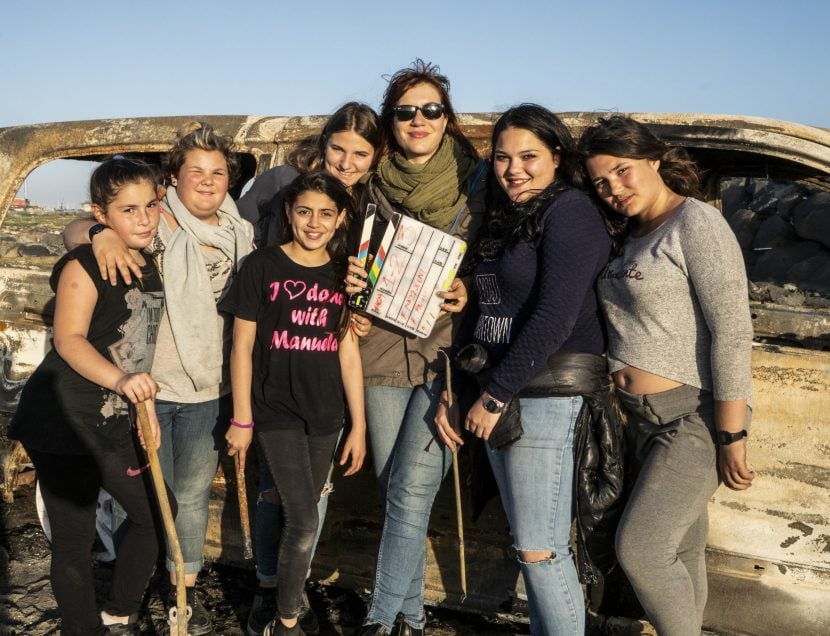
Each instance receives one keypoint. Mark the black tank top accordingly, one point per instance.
(62, 412)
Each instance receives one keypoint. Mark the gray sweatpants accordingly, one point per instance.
(661, 539)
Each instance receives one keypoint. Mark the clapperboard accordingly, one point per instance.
(411, 265)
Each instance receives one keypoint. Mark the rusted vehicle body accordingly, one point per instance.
(769, 547)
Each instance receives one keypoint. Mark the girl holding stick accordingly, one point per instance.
(74, 417)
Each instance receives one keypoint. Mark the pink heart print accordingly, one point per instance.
(294, 288)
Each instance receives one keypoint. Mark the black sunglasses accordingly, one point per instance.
(406, 112)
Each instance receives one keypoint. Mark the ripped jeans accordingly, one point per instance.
(299, 464)
(535, 478)
(268, 521)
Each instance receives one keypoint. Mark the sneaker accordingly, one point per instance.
(276, 628)
(263, 610)
(199, 623)
(120, 629)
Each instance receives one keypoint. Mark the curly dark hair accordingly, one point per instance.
(509, 221)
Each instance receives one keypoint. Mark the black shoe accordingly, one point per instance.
(199, 623)
(263, 610)
(124, 630)
(374, 630)
(402, 628)
(308, 619)
(276, 628)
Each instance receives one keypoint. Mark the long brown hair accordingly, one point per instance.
(350, 117)
(622, 136)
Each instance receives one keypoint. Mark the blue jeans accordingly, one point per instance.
(192, 436)
(410, 464)
(268, 521)
(535, 478)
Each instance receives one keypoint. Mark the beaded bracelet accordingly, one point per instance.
(240, 425)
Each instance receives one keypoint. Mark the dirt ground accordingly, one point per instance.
(27, 606)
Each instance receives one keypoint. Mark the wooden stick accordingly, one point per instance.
(242, 496)
(178, 618)
(457, 483)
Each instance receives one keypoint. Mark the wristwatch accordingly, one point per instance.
(96, 229)
(724, 438)
(491, 404)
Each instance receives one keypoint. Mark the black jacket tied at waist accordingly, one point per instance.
(598, 445)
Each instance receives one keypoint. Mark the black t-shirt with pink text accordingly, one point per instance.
(296, 379)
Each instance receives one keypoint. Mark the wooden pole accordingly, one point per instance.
(457, 483)
(178, 617)
(244, 518)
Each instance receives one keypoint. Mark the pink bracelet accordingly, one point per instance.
(239, 425)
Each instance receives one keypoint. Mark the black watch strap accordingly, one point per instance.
(96, 229)
(725, 438)
(491, 405)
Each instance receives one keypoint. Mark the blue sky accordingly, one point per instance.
(89, 60)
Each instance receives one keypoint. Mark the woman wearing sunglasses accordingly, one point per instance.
(430, 172)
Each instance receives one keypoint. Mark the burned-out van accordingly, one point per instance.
(769, 547)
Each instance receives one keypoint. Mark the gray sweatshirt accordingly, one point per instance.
(676, 304)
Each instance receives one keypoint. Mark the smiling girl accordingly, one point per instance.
(294, 359)
(346, 148)
(200, 244)
(540, 252)
(74, 418)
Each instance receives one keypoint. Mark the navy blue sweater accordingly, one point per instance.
(539, 297)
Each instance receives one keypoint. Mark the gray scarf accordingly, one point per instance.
(189, 291)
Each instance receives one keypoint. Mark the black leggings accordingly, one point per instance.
(299, 464)
(69, 485)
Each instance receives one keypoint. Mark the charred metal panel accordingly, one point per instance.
(24, 338)
(769, 546)
(799, 324)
